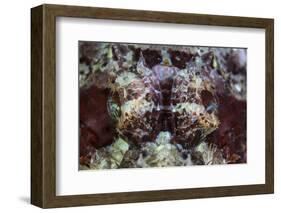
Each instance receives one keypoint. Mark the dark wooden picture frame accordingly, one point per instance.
(43, 105)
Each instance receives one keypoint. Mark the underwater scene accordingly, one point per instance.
(154, 105)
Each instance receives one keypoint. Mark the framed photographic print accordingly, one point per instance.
(136, 106)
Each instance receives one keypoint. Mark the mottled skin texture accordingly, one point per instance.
(196, 96)
(165, 88)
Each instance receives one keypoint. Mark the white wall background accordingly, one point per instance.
(15, 105)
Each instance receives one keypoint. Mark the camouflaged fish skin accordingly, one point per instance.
(161, 105)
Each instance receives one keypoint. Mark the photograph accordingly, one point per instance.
(161, 105)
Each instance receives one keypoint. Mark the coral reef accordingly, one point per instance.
(161, 105)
